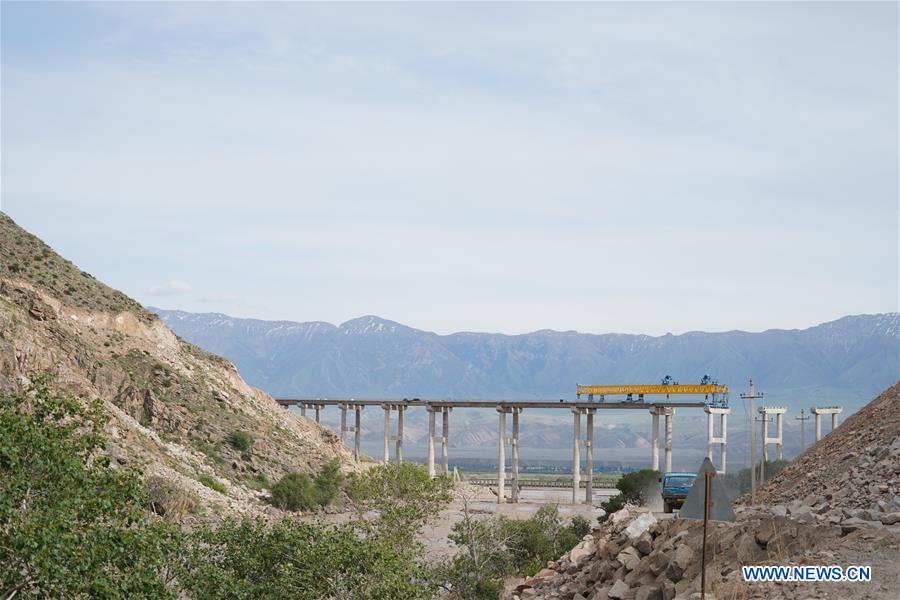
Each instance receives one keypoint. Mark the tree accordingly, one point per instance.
(328, 482)
(73, 526)
(403, 497)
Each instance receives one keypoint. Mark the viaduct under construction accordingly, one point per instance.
(714, 402)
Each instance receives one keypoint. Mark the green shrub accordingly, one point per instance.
(291, 559)
(328, 482)
(294, 491)
(240, 440)
(637, 487)
(211, 483)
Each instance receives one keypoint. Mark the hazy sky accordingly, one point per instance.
(503, 167)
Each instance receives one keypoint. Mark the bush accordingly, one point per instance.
(168, 500)
(291, 559)
(240, 440)
(328, 482)
(294, 491)
(72, 526)
(211, 483)
(638, 487)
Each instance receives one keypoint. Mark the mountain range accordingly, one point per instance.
(854, 357)
(845, 362)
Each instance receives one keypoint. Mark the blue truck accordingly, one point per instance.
(675, 488)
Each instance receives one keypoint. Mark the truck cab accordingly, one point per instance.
(675, 488)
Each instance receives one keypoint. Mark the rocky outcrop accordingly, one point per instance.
(172, 406)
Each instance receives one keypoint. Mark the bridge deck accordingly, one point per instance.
(485, 403)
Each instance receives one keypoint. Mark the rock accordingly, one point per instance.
(581, 550)
(618, 590)
(890, 518)
(644, 544)
(779, 510)
(629, 558)
(640, 525)
(679, 562)
(852, 524)
(648, 592)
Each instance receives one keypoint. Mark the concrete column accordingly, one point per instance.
(514, 447)
(589, 456)
(576, 453)
(318, 413)
(501, 456)
(765, 434)
(431, 412)
(399, 452)
(779, 447)
(654, 440)
(670, 412)
(709, 435)
(818, 427)
(834, 420)
(723, 421)
(356, 431)
(343, 408)
(387, 432)
(302, 410)
(445, 439)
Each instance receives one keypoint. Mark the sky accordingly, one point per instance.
(605, 167)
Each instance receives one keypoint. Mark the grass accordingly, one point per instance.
(211, 483)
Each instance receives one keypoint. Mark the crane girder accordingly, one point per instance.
(675, 388)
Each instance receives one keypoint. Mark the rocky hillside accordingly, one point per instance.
(853, 472)
(174, 407)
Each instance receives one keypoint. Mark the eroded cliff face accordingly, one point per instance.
(172, 406)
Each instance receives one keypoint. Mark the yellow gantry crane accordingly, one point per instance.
(668, 386)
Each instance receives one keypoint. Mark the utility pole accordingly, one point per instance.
(752, 396)
(803, 421)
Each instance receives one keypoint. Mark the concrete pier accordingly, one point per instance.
(654, 439)
(589, 457)
(343, 408)
(318, 413)
(431, 410)
(576, 453)
(357, 429)
(721, 439)
(764, 412)
(399, 449)
(514, 448)
(501, 455)
(445, 439)
(669, 415)
(388, 438)
(818, 411)
(387, 432)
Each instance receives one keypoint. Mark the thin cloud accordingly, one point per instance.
(172, 287)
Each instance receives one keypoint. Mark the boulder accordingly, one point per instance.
(640, 525)
(890, 518)
(629, 558)
(618, 590)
